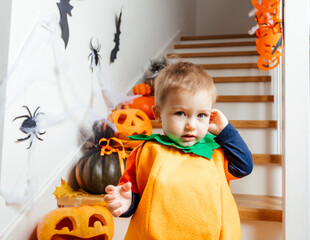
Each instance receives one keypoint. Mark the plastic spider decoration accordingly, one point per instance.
(156, 66)
(94, 55)
(30, 126)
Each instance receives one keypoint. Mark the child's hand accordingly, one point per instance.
(119, 198)
(217, 123)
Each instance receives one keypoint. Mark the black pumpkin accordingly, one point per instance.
(94, 172)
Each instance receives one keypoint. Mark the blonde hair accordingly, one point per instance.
(183, 76)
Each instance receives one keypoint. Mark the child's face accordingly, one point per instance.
(185, 116)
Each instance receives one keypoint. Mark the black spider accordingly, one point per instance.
(29, 125)
(94, 55)
(157, 65)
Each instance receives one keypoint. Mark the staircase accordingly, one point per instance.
(246, 96)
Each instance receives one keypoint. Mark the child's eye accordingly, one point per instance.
(202, 115)
(180, 114)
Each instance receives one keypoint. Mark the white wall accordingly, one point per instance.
(147, 28)
(5, 16)
(296, 120)
(223, 17)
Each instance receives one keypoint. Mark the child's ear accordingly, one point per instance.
(156, 112)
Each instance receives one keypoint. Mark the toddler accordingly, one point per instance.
(176, 185)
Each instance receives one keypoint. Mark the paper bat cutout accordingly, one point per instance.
(64, 9)
(116, 37)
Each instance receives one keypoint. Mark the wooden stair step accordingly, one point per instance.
(76, 201)
(239, 123)
(258, 207)
(211, 37)
(254, 123)
(267, 158)
(212, 54)
(251, 207)
(214, 45)
(245, 98)
(230, 66)
(242, 79)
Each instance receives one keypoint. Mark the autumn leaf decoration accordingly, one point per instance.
(66, 190)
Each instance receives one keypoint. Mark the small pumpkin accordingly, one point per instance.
(94, 171)
(131, 122)
(145, 104)
(85, 222)
(142, 89)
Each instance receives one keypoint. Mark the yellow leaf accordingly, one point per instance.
(66, 190)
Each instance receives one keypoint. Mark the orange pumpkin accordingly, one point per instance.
(130, 122)
(142, 89)
(85, 222)
(145, 104)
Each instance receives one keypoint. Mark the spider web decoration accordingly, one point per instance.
(269, 40)
(103, 90)
(29, 67)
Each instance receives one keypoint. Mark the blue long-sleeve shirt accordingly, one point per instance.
(240, 162)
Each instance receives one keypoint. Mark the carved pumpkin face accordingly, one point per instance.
(131, 122)
(86, 222)
(267, 64)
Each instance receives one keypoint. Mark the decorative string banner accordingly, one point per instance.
(269, 30)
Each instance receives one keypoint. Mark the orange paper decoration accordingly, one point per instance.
(269, 40)
(266, 5)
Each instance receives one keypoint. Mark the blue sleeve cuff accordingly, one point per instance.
(133, 207)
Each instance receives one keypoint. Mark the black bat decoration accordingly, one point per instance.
(64, 9)
(116, 37)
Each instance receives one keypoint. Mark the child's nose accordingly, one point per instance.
(190, 124)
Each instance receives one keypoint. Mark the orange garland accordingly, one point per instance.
(269, 40)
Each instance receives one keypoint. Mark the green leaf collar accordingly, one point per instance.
(203, 148)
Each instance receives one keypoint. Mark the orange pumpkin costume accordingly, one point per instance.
(183, 195)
